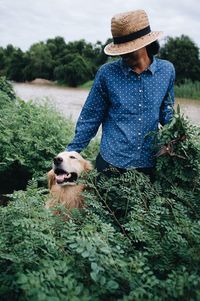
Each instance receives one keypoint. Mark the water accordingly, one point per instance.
(69, 101)
(190, 108)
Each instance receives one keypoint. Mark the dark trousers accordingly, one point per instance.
(110, 171)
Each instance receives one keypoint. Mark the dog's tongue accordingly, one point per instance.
(60, 178)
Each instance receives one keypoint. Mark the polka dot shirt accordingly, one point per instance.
(128, 106)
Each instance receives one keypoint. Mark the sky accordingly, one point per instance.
(24, 22)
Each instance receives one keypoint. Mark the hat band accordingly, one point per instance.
(132, 36)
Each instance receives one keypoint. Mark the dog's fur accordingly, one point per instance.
(67, 167)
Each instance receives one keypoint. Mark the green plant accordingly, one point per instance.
(179, 153)
(188, 89)
(134, 240)
(131, 242)
(29, 143)
(6, 90)
(35, 135)
(6, 87)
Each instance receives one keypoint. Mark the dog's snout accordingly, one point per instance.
(57, 160)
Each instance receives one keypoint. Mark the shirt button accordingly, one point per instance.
(139, 119)
(139, 133)
(139, 104)
(140, 91)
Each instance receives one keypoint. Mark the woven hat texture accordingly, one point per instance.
(131, 31)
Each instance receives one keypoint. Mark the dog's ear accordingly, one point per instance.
(51, 178)
(87, 166)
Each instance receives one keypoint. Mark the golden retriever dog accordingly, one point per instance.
(67, 168)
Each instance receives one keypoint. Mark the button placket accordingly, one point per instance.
(140, 112)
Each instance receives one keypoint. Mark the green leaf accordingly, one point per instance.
(113, 285)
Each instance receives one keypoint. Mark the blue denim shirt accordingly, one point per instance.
(128, 106)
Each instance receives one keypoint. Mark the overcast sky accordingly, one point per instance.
(24, 22)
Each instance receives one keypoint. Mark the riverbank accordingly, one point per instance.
(187, 90)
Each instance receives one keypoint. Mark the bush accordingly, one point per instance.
(135, 240)
(132, 242)
(6, 87)
(36, 134)
(179, 164)
(7, 94)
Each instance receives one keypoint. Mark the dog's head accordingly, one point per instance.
(67, 167)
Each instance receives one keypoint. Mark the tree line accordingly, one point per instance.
(77, 62)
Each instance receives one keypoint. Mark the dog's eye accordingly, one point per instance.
(72, 157)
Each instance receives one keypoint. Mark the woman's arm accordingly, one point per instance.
(91, 116)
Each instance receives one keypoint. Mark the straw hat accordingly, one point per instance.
(131, 31)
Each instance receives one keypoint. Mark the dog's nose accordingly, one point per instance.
(57, 160)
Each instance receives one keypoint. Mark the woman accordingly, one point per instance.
(129, 97)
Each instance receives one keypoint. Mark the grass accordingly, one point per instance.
(188, 90)
(87, 85)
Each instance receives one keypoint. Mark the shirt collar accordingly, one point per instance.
(153, 66)
(126, 69)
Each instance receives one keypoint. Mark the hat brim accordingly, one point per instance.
(120, 49)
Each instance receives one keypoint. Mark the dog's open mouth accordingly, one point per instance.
(63, 176)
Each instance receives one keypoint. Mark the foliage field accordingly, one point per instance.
(135, 240)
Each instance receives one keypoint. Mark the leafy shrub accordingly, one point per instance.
(7, 94)
(36, 134)
(179, 163)
(132, 242)
(135, 240)
(4, 99)
(6, 88)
